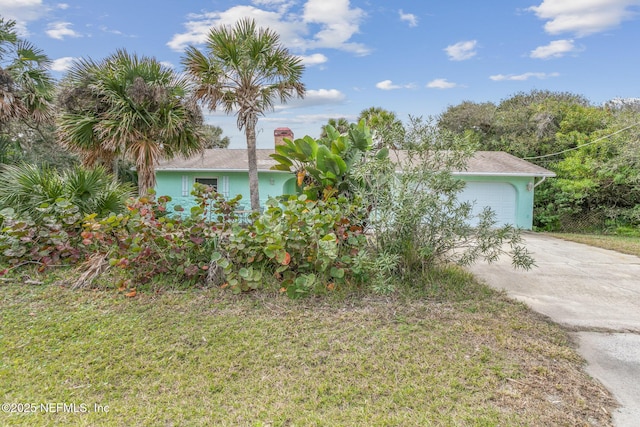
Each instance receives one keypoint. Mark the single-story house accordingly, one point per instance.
(224, 169)
(495, 179)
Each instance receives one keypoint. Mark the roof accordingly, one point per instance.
(219, 159)
(235, 160)
(492, 163)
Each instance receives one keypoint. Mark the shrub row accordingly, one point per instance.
(302, 246)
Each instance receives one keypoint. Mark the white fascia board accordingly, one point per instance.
(213, 170)
(551, 174)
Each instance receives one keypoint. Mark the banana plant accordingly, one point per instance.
(323, 166)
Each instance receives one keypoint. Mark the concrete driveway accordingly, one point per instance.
(593, 292)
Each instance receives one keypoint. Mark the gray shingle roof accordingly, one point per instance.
(223, 159)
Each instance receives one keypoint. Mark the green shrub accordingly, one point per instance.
(27, 188)
(416, 217)
(147, 242)
(51, 240)
(306, 246)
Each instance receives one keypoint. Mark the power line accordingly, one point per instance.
(583, 145)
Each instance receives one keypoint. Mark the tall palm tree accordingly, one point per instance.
(26, 86)
(128, 107)
(245, 70)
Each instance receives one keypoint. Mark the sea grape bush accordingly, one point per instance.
(306, 246)
(148, 242)
(52, 239)
(302, 246)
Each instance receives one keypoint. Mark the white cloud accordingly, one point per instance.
(62, 6)
(387, 85)
(60, 30)
(441, 84)
(522, 77)
(461, 50)
(199, 25)
(309, 119)
(555, 49)
(583, 17)
(323, 96)
(336, 23)
(410, 18)
(271, 3)
(281, 5)
(22, 11)
(315, 59)
(62, 64)
(314, 97)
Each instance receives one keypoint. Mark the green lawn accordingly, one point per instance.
(454, 353)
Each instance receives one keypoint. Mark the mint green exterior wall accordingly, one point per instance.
(524, 196)
(179, 184)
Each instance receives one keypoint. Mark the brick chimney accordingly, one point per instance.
(280, 133)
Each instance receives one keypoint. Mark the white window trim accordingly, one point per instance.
(195, 178)
(185, 185)
(225, 186)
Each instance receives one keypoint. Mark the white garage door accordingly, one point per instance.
(499, 196)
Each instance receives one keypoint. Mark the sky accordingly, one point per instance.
(411, 57)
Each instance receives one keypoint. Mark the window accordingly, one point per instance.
(211, 182)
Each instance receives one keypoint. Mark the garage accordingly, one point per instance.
(499, 196)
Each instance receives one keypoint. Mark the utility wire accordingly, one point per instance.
(583, 145)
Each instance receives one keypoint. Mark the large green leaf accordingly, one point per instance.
(283, 160)
(341, 164)
(322, 155)
(383, 153)
(308, 146)
(280, 167)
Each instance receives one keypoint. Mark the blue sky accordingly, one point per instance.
(412, 57)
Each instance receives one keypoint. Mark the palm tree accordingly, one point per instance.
(26, 87)
(387, 129)
(341, 125)
(128, 107)
(25, 188)
(245, 69)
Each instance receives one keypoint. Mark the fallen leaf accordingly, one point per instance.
(287, 259)
(131, 294)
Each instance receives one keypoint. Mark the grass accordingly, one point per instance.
(624, 244)
(451, 352)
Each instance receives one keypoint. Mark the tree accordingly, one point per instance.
(387, 129)
(36, 145)
(524, 124)
(478, 118)
(26, 87)
(416, 217)
(341, 125)
(245, 69)
(213, 137)
(128, 107)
